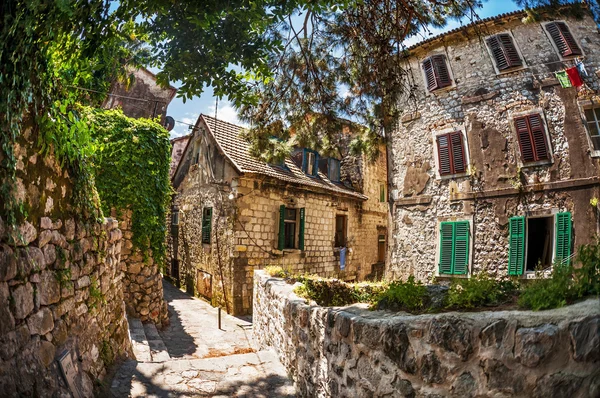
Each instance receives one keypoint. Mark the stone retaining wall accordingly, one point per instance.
(61, 290)
(143, 280)
(354, 352)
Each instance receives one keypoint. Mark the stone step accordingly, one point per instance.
(158, 349)
(139, 341)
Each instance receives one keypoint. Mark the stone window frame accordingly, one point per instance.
(438, 221)
(553, 44)
(583, 105)
(447, 130)
(489, 51)
(450, 72)
(513, 131)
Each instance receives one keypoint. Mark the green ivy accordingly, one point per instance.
(131, 168)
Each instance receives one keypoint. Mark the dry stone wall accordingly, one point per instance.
(143, 279)
(354, 352)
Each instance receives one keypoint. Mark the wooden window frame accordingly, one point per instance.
(299, 228)
(206, 225)
(465, 148)
(536, 161)
(315, 170)
(469, 247)
(440, 85)
(588, 105)
(555, 45)
(334, 161)
(345, 230)
(511, 68)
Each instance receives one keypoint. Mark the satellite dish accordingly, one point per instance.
(169, 123)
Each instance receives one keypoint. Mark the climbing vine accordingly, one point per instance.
(131, 169)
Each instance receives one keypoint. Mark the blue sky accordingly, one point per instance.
(189, 112)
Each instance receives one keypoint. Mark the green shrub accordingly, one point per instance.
(479, 290)
(566, 283)
(334, 292)
(275, 271)
(408, 296)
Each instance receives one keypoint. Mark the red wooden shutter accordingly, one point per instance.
(532, 138)
(444, 157)
(498, 53)
(458, 153)
(442, 73)
(564, 40)
(437, 74)
(538, 136)
(504, 51)
(429, 74)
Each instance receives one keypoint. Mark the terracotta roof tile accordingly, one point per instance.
(227, 136)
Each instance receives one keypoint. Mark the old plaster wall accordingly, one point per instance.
(61, 287)
(482, 105)
(354, 352)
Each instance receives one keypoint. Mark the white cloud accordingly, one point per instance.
(226, 112)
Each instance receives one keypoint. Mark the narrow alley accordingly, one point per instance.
(193, 357)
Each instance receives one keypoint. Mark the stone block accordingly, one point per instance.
(452, 334)
(41, 322)
(44, 237)
(23, 300)
(7, 321)
(31, 259)
(27, 234)
(533, 345)
(8, 270)
(45, 223)
(49, 288)
(49, 254)
(585, 339)
(46, 353)
(557, 385)
(82, 282)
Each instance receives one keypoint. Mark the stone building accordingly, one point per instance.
(144, 98)
(494, 165)
(233, 214)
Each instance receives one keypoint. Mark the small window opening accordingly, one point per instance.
(592, 117)
(341, 228)
(539, 243)
(381, 249)
(310, 163)
(290, 228)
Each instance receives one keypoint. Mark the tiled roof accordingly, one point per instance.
(236, 149)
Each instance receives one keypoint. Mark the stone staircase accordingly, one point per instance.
(147, 343)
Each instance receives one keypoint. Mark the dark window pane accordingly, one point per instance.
(589, 114)
(597, 110)
(596, 142)
(340, 231)
(290, 235)
(290, 214)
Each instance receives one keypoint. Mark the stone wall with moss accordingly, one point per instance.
(61, 289)
(354, 352)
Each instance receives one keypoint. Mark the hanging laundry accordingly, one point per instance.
(574, 77)
(581, 68)
(563, 79)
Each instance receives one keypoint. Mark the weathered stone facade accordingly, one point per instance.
(481, 104)
(143, 279)
(354, 352)
(61, 288)
(245, 221)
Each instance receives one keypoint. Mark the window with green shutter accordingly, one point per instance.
(206, 224)
(281, 237)
(516, 250)
(563, 231)
(454, 248)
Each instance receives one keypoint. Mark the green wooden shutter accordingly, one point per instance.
(281, 240)
(301, 230)
(446, 247)
(516, 250)
(563, 237)
(461, 248)
(206, 224)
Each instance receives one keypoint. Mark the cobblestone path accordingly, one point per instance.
(192, 357)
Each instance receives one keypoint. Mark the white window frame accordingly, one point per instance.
(532, 274)
(556, 50)
(513, 130)
(437, 159)
(583, 106)
(424, 78)
(438, 221)
(503, 72)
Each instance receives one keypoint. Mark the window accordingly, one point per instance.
(288, 228)
(592, 120)
(341, 228)
(504, 52)
(533, 241)
(381, 249)
(437, 73)
(382, 195)
(309, 162)
(532, 138)
(451, 153)
(563, 39)
(454, 248)
(206, 224)
(334, 170)
(175, 216)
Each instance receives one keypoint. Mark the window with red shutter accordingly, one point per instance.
(532, 138)
(451, 153)
(504, 51)
(437, 74)
(563, 39)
